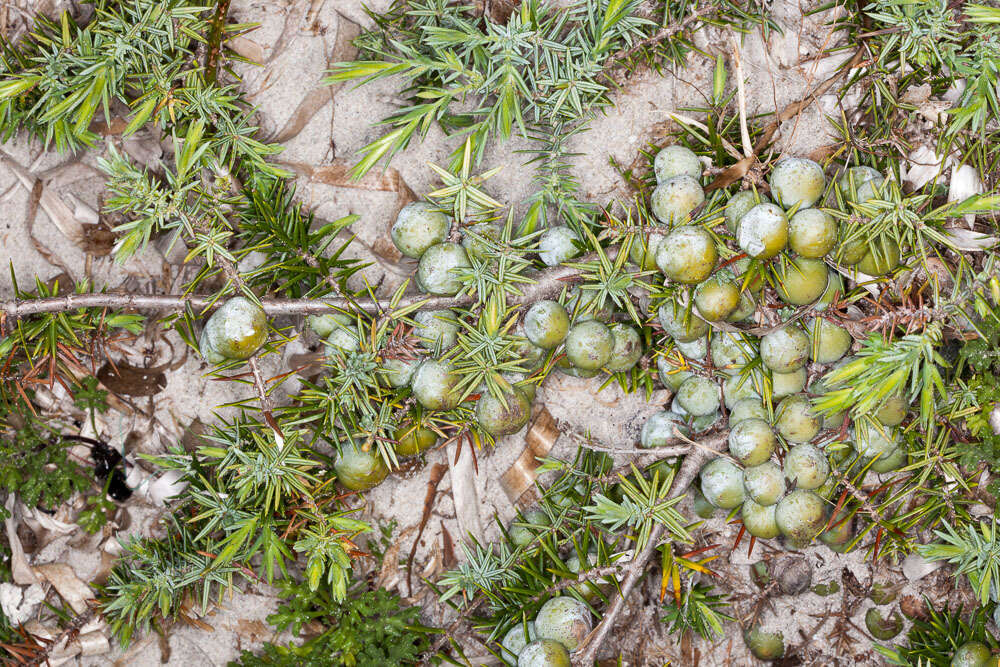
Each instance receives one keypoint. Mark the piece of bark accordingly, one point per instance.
(541, 436)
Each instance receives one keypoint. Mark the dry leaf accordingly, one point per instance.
(67, 584)
(863, 279)
(98, 240)
(916, 95)
(59, 213)
(93, 643)
(322, 94)
(464, 492)
(115, 127)
(124, 379)
(246, 48)
(388, 576)
(922, 166)
(20, 569)
(964, 183)
(338, 174)
(41, 521)
(447, 548)
(18, 604)
(310, 105)
(968, 240)
(437, 474)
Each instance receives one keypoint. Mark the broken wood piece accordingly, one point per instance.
(541, 436)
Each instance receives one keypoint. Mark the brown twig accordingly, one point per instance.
(693, 462)
(548, 283)
(216, 31)
(620, 59)
(740, 169)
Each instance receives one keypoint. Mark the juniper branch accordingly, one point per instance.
(547, 283)
(587, 653)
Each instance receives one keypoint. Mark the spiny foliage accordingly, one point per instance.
(569, 545)
(700, 610)
(975, 552)
(934, 641)
(367, 629)
(542, 72)
(252, 498)
(938, 45)
(45, 351)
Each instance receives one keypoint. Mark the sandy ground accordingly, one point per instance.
(296, 41)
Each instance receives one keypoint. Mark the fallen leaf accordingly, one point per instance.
(20, 569)
(18, 604)
(98, 240)
(916, 95)
(124, 379)
(253, 629)
(55, 208)
(338, 174)
(437, 474)
(322, 94)
(310, 105)
(464, 492)
(246, 48)
(69, 586)
(447, 548)
(388, 576)
(968, 240)
(965, 183)
(922, 166)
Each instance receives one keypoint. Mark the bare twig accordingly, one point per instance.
(741, 96)
(620, 59)
(216, 32)
(548, 283)
(588, 441)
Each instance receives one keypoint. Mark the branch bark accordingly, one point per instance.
(698, 456)
(548, 283)
(216, 33)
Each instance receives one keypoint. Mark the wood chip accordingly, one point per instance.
(541, 436)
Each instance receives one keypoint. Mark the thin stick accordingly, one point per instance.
(548, 283)
(741, 97)
(216, 33)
